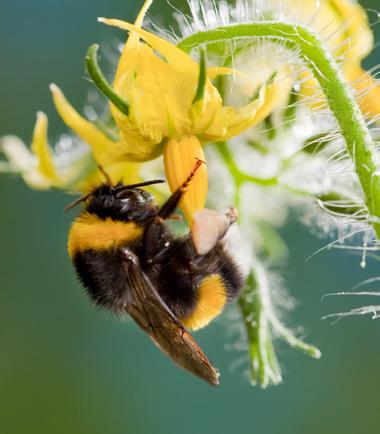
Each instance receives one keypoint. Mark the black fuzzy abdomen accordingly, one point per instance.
(180, 272)
(103, 276)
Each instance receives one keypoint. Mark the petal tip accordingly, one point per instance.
(53, 87)
(41, 115)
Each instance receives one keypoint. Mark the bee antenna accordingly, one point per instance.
(77, 202)
(197, 165)
(105, 174)
(140, 184)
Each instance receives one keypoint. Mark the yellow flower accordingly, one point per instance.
(163, 101)
(36, 166)
(42, 169)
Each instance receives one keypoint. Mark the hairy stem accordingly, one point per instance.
(264, 367)
(261, 322)
(256, 307)
(359, 144)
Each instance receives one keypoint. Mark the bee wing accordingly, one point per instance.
(155, 318)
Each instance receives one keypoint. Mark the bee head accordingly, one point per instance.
(120, 202)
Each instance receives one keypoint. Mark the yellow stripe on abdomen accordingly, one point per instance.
(89, 232)
(212, 298)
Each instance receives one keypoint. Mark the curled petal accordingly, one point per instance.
(17, 153)
(25, 162)
(357, 32)
(41, 148)
(105, 150)
(238, 120)
(174, 56)
(368, 89)
(179, 158)
(133, 42)
(270, 97)
(215, 71)
(142, 13)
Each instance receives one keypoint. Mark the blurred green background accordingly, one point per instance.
(66, 368)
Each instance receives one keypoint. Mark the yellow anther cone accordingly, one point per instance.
(180, 156)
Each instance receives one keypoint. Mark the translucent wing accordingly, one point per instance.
(165, 330)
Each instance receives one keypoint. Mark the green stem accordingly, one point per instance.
(261, 322)
(256, 307)
(240, 176)
(354, 210)
(359, 144)
(264, 367)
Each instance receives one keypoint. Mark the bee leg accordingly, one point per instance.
(157, 241)
(171, 204)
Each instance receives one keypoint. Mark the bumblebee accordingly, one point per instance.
(129, 262)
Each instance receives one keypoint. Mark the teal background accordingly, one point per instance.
(67, 369)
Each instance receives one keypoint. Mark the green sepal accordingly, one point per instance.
(101, 82)
(199, 94)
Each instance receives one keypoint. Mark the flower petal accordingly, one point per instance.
(132, 42)
(126, 172)
(367, 87)
(41, 149)
(24, 161)
(237, 120)
(253, 113)
(104, 149)
(175, 56)
(84, 181)
(179, 159)
(215, 71)
(17, 153)
(356, 31)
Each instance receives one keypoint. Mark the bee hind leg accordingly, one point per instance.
(157, 239)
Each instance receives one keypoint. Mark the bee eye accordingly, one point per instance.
(126, 195)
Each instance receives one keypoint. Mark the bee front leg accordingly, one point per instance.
(157, 241)
(157, 238)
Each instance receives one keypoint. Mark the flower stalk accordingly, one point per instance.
(359, 144)
(264, 367)
(258, 314)
(261, 322)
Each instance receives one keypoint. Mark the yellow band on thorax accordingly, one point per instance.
(90, 232)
